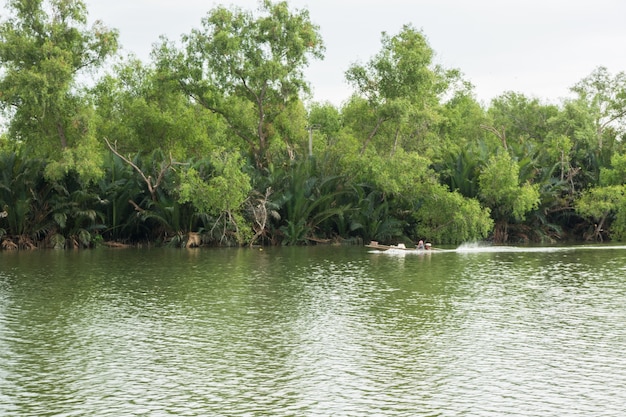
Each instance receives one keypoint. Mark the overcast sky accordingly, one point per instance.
(536, 47)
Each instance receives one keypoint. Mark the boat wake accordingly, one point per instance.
(481, 247)
(487, 248)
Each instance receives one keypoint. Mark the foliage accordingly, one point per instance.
(598, 204)
(401, 88)
(44, 46)
(405, 175)
(221, 194)
(225, 189)
(77, 214)
(117, 188)
(616, 174)
(500, 188)
(459, 170)
(306, 201)
(501, 191)
(61, 213)
(20, 180)
(372, 217)
(248, 69)
(605, 96)
(215, 142)
(448, 217)
(141, 107)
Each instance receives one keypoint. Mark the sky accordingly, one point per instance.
(539, 48)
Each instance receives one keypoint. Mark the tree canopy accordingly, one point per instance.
(45, 46)
(248, 69)
(215, 141)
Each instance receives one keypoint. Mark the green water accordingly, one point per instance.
(323, 331)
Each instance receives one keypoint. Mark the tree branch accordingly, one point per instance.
(147, 180)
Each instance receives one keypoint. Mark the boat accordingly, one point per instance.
(399, 247)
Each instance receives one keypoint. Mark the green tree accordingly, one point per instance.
(324, 126)
(119, 186)
(44, 47)
(604, 206)
(20, 185)
(248, 69)
(220, 189)
(448, 217)
(459, 170)
(462, 125)
(306, 199)
(598, 205)
(402, 88)
(518, 119)
(605, 96)
(141, 107)
(76, 214)
(616, 174)
(539, 138)
(501, 191)
(372, 218)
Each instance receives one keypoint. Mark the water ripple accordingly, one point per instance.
(315, 333)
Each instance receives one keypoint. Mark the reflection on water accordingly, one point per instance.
(313, 332)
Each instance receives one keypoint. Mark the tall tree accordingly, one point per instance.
(604, 206)
(501, 191)
(44, 47)
(401, 86)
(248, 69)
(142, 109)
(517, 119)
(606, 97)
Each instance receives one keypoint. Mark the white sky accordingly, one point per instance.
(536, 47)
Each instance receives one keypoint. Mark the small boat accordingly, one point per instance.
(400, 246)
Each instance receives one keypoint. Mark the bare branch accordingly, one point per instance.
(147, 180)
(500, 135)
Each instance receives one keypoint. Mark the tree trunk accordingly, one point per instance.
(501, 232)
(379, 122)
(62, 135)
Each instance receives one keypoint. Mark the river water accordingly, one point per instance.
(314, 331)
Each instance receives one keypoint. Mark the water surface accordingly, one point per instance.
(320, 331)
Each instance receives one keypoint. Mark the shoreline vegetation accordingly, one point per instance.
(215, 143)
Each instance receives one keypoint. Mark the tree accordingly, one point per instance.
(20, 186)
(462, 124)
(598, 204)
(541, 139)
(448, 217)
(401, 86)
(324, 119)
(606, 97)
(141, 107)
(248, 69)
(501, 191)
(520, 119)
(44, 47)
(220, 192)
(605, 205)
(523, 126)
(573, 135)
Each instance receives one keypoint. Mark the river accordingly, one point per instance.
(314, 331)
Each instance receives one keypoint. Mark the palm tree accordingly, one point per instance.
(306, 200)
(25, 214)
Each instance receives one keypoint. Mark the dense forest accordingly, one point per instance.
(216, 142)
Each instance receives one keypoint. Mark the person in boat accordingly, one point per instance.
(420, 245)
